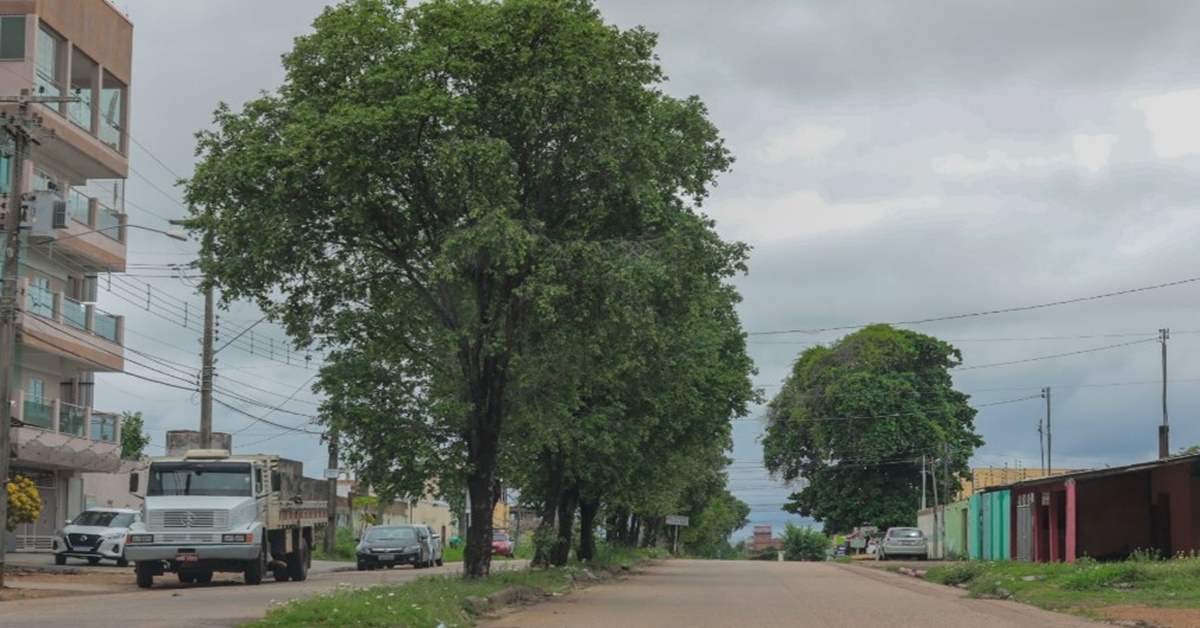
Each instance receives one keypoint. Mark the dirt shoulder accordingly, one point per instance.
(22, 583)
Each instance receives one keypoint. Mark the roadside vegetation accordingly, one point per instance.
(443, 600)
(1082, 587)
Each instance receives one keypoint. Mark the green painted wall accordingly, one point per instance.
(957, 530)
(974, 530)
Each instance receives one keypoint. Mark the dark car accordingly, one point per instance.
(388, 546)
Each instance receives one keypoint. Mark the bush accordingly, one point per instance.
(24, 503)
(343, 545)
(958, 573)
(804, 544)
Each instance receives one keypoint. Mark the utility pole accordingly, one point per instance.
(21, 129)
(1042, 444)
(1049, 433)
(206, 372)
(331, 528)
(1164, 431)
(923, 506)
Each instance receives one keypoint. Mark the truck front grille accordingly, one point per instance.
(187, 537)
(191, 519)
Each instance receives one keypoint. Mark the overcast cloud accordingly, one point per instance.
(897, 160)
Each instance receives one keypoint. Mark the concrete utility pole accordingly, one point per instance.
(206, 372)
(1049, 434)
(1164, 431)
(21, 130)
(331, 528)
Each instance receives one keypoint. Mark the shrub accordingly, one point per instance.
(24, 503)
(958, 573)
(803, 544)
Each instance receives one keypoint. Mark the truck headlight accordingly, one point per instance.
(139, 538)
(237, 538)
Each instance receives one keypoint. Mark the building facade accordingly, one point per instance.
(79, 52)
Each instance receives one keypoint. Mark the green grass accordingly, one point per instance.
(429, 601)
(1080, 587)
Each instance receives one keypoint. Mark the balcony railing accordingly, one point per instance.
(60, 308)
(53, 415)
(81, 207)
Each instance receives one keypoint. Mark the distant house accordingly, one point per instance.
(762, 539)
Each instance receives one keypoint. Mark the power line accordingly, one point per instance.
(1023, 308)
(1056, 355)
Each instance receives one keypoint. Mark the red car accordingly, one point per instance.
(502, 545)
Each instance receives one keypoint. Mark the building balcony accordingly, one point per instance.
(55, 324)
(54, 434)
(94, 238)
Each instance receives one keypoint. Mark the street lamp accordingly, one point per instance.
(8, 316)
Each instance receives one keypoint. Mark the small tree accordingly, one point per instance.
(24, 502)
(803, 544)
(133, 436)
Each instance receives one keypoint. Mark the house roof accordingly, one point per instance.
(1090, 474)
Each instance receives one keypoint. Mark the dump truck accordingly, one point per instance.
(208, 511)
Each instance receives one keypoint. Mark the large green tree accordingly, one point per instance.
(432, 181)
(133, 435)
(856, 420)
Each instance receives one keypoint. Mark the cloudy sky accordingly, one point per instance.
(896, 161)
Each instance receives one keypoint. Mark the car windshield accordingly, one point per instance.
(499, 537)
(103, 519)
(225, 479)
(907, 533)
(391, 534)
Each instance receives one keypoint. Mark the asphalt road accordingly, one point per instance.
(711, 594)
(224, 602)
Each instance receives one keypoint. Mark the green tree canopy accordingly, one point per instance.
(855, 420)
(425, 190)
(133, 435)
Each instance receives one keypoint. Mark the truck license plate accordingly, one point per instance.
(187, 558)
(386, 557)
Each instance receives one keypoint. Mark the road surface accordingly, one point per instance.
(710, 594)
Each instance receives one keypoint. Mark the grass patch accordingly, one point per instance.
(1080, 587)
(430, 601)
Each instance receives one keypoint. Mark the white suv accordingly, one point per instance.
(95, 534)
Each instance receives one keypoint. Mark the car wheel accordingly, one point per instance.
(362, 566)
(122, 562)
(923, 557)
(93, 560)
(145, 574)
(440, 562)
(389, 566)
(59, 559)
(297, 562)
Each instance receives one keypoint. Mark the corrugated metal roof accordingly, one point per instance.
(1091, 474)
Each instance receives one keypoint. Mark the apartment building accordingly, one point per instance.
(75, 233)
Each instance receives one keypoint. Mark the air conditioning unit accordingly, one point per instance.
(49, 213)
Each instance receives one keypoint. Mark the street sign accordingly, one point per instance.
(332, 474)
(677, 520)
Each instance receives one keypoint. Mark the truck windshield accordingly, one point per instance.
(226, 479)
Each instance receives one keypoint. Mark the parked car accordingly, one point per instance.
(901, 542)
(388, 546)
(435, 546)
(502, 545)
(95, 534)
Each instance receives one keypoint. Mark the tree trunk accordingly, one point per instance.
(553, 464)
(653, 529)
(620, 527)
(587, 528)
(560, 552)
(482, 446)
(631, 532)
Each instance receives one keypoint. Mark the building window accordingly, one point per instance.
(84, 73)
(6, 167)
(12, 37)
(49, 62)
(112, 112)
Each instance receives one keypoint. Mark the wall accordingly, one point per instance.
(111, 490)
(1176, 480)
(957, 530)
(1112, 515)
(997, 545)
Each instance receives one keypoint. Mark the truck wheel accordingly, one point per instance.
(254, 570)
(280, 573)
(297, 562)
(145, 574)
(204, 577)
(187, 578)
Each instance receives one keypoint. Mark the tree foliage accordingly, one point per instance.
(805, 544)
(24, 502)
(854, 421)
(425, 195)
(134, 438)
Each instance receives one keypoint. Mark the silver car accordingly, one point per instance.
(902, 543)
